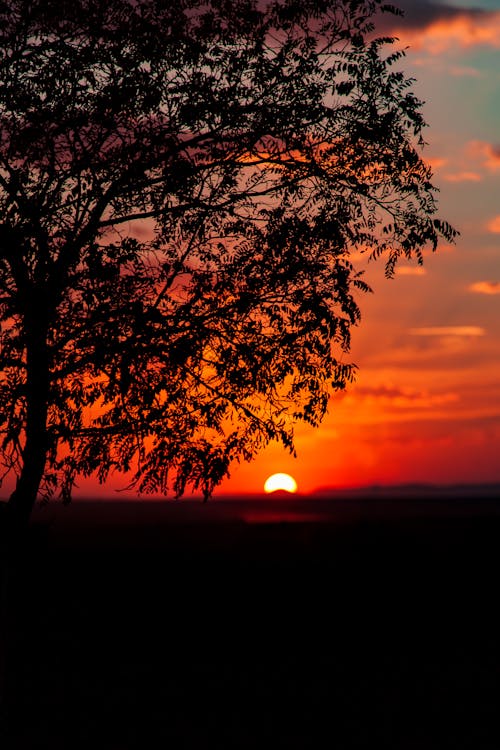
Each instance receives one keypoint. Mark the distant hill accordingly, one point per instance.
(413, 490)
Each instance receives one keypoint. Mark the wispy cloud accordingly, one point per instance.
(442, 65)
(402, 398)
(465, 71)
(467, 331)
(410, 271)
(436, 162)
(462, 177)
(485, 287)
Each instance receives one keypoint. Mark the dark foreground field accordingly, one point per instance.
(258, 625)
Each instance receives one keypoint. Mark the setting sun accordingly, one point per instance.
(280, 482)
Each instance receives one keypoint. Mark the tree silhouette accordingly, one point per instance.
(181, 187)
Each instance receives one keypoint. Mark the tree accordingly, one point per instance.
(181, 188)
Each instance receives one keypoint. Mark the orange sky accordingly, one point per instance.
(426, 404)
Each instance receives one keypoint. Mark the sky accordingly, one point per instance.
(426, 403)
(425, 407)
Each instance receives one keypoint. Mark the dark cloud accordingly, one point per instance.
(418, 14)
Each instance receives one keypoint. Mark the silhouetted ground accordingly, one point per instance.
(194, 626)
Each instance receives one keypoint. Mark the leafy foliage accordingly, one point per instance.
(181, 188)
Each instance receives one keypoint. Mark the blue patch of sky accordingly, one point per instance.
(483, 95)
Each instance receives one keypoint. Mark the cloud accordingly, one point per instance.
(467, 331)
(403, 397)
(410, 271)
(462, 177)
(386, 391)
(436, 28)
(494, 225)
(488, 152)
(420, 14)
(441, 66)
(436, 162)
(485, 287)
(465, 71)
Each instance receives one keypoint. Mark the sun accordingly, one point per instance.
(280, 482)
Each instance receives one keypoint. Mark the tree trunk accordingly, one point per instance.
(23, 498)
(15, 514)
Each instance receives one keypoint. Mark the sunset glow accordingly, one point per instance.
(425, 406)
